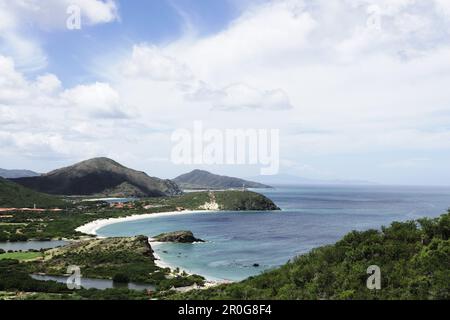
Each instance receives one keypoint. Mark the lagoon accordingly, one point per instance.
(100, 284)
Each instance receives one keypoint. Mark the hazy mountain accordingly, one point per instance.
(199, 179)
(13, 195)
(102, 177)
(12, 174)
(287, 179)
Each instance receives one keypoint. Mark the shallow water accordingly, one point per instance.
(311, 216)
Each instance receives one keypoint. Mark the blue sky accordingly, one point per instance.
(155, 22)
(357, 88)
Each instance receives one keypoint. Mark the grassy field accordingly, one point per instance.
(21, 256)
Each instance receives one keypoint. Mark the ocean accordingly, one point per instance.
(243, 244)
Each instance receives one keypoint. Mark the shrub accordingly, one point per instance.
(121, 278)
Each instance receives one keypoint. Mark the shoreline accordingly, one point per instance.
(91, 228)
(209, 282)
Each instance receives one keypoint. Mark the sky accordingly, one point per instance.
(358, 89)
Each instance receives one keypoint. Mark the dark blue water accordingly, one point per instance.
(311, 216)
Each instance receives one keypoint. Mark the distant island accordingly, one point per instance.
(200, 179)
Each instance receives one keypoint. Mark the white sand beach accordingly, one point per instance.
(91, 228)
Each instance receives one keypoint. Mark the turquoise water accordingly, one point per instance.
(311, 216)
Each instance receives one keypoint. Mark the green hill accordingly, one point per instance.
(100, 177)
(216, 200)
(414, 258)
(200, 179)
(13, 195)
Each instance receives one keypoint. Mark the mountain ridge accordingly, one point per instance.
(13, 195)
(17, 173)
(201, 179)
(100, 176)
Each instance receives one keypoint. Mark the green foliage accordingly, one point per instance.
(121, 278)
(120, 259)
(13, 195)
(181, 281)
(243, 201)
(14, 276)
(227, 200)
(414, 258)
(124, 258)
(21, 256)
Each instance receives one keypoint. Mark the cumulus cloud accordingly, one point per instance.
(361, 72)
(352, 76)
(48, 83)
(98, 100)
(39, 118)
(241, 96)
(152, 63)
(13, 86)
(20, 21)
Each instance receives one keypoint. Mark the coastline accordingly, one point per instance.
(91, 228)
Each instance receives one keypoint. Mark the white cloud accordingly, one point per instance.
(443, 6)
(52, 14)
(152, 63)
(365, 86)
(353, 77)
(12, 83)
(20, 21)
(241, 96)
(98, 100)
(40, 119)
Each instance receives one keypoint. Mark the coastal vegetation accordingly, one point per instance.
(414, 258)
(118, 259)
(17, 284)
(243, 201)
(230, 200)
(122, 260)
(178, 237)
(46, 225)
(21, 256)
(13, 195)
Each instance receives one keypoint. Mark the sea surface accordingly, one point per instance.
(242, 244)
